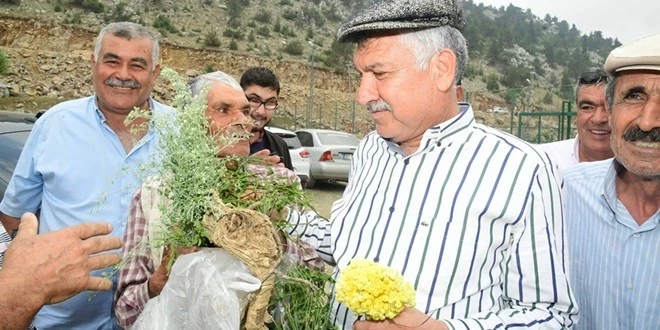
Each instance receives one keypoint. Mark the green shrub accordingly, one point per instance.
(11, 2)
(4, 63)
(211, 39)
(263, 31)
(492, 83)
(263, 17)
(233, 45)
(208, 68)
(234, 34)
(94, 6)
(162, 22)
(293, 47)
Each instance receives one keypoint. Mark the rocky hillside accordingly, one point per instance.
(52, 60)
(48, 45)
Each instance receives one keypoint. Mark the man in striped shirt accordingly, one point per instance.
(470, 215)
(613, 206)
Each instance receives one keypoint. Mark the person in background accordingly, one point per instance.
(592, 141)
(83, 160)
(262, 89)
(145, 274)
(613, 205)
(32, 278)
(469, 215)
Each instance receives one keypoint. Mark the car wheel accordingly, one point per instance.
(310, 183)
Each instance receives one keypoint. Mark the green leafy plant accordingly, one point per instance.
(4, 62)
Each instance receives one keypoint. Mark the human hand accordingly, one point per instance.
(268, 158)
(409, 318)
(157, 281)
(56, 265)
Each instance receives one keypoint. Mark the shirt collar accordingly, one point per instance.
(450, 130)
(609, 194)
(609, 187)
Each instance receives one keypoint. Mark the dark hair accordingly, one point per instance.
(260, 76)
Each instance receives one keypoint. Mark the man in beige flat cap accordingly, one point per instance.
(469, 215)
(613, 206)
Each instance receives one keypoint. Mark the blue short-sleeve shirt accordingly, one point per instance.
(74, 169)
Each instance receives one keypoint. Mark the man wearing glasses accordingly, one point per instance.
(262, 89)
(593, 137)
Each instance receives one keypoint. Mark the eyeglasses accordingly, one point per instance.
(269, 104)
(592, 78)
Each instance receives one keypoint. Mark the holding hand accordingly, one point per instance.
(159, 278)
(409, 318)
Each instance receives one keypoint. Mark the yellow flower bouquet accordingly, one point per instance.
(378, 292)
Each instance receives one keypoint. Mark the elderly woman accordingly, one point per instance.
(145, 272)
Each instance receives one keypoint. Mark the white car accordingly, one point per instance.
(330, 153)
(299, 155)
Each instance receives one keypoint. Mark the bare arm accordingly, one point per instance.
(10, 223)
(32, 278)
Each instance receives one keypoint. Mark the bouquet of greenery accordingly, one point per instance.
(218, 201)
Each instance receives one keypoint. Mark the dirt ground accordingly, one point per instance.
(324, 194)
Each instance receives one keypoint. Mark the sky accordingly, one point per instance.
(626, 20)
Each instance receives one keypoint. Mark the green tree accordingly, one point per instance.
(492, 83)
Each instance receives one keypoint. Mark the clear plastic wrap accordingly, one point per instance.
(207, 289)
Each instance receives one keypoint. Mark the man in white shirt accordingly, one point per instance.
(593, 138)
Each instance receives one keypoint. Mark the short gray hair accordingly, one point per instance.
(577, 87)
(204, 81)
(129, 31)
(609, 92)
(425, 43)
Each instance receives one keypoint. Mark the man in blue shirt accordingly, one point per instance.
(613, 206)
(83, 160)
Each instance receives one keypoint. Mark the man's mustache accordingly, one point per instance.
(636, 134)
(379, 105)
(116, 82)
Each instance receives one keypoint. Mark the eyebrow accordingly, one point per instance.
(134, 59)
(585, 102)
(256, 95)
(635, 89)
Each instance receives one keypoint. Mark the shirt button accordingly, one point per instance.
(636, 235)
(629, 285)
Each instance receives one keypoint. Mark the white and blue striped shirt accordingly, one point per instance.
(615, 263)
(473, 220)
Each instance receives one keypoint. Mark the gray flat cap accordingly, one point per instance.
(402, 14)
(641, 54)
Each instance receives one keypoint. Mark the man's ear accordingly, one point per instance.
(92, 61)
(443, 66)
(156, 71)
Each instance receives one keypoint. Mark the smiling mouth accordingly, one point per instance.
(599, 132)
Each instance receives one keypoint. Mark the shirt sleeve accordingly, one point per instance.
(132, 289)
(313, 229)
(24, 191)
(536, 292)
(303, 254)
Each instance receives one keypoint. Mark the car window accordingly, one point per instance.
(305, 139)
(11, 145)
(292, 141)
(338, 139)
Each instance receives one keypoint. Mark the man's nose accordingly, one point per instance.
(367, 91)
